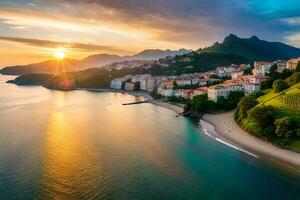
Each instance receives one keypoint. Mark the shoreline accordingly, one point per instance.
(224, 128)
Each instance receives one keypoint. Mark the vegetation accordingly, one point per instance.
(32, 79)
(200, 104)
(253, 48)
(273, 115)
(279, 85)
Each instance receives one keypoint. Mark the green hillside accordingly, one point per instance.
(253, 48)
(287, 103)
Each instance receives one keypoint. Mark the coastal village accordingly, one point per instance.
(214, 83)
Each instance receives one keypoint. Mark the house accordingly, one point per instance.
(187, 94)
(117, 83)
(251, 87)
(257, 79)
(200, 91)
(183, 82)
(236, 74)
(165, 92)
(281, 65)
(169, 84)
(202, 82)
(151, 84)
(129, 86)
(139, 77)
(223, 89)
(143, 85)
(261, 68)
(292, 63)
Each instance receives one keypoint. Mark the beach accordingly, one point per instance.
(223, 128)
(226, 128)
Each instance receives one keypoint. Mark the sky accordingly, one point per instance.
(33, 30)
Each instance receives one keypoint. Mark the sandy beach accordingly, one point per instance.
(174, 107)
(226, 128)
(223, 128)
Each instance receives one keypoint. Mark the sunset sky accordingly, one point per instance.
(31, 30)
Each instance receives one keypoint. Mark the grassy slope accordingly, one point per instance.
(291, 109)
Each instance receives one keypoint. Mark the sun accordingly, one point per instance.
(59, 54)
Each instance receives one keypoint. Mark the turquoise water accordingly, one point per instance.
(86, 145)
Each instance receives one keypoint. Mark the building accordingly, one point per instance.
(117, 83)
(183, 82)
(143, 85)
(200, 91)
(236, 74)
(165, 92)
(129, 86)
(151, 84)
(140, 77)
(251, 87)
(292, 63)
(223, 89)
(202, 82)
(281, 65)
(169, 84)
(261, 68)
(187, 94)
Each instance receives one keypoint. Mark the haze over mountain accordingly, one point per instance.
(97, 60)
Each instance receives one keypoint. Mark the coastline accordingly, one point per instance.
(178, 109)
(226, 128)
(223, 128)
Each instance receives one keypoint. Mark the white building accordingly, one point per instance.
(165, 92)
(183, 82)
(292, 63)
(251, 87)
(216, 91)
(140, 77)
(117, 83)
(261, 68)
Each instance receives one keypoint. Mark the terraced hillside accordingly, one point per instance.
(287, 103)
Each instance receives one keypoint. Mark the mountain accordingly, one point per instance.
(97, 60)
(48, 67)
(100, 60)
(253, 48)
(154, 54)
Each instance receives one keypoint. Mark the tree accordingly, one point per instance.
(284, 127)
(137, 86)
(273, 70)
(298, 67)
(279, 85)
(245, 104)
(202, 104)
(262, 115)
(247, 71)
(295, 78)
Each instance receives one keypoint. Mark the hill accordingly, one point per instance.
(48, 67)
(253, 48)
(287, 102)
(97, 60)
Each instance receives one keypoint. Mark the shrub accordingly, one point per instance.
(279, 85)
(295, 78)
(245, 104)
(262, 115)
(284, 127)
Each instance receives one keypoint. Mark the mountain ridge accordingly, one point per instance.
(253, 48)
(92, 61)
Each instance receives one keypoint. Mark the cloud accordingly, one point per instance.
(56, 44)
